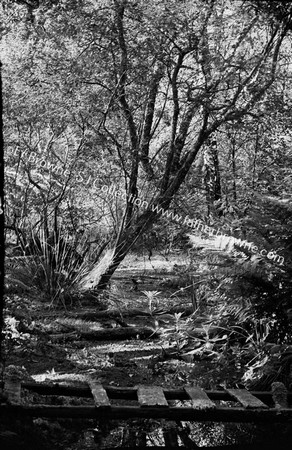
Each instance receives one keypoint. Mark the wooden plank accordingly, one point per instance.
(99, 394)
(151, 396)
(200, 399)
(246, 398)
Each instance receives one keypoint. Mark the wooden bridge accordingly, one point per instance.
(190, 403)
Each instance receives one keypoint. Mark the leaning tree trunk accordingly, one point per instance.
(131, 233)
(124, 244)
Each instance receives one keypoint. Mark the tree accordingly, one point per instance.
(2, 238)
(207, 88)
(153, 83)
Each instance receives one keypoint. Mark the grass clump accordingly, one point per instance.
(52, 265)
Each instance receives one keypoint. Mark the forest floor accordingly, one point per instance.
(56, 351)
(124, 362)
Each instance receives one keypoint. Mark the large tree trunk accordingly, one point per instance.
(212, 178)
(2, 239)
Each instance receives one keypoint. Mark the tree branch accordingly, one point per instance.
(147, 127)
(120, 8)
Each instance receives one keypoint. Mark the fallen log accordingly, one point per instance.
(113, 313)
(109, 334)
(107, 314)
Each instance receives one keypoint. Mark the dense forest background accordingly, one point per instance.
(183, 105)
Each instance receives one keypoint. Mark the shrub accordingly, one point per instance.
(53, 266)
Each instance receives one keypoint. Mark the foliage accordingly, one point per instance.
(151, 297)
(55, 266)
(226, 334)
(146, 114)
(279, 11)
(17, 330)
(11, 332)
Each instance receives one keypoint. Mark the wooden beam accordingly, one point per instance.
(149, 396)
(200, 399)
(170, 435)
(219, 414)
(246, 398)
(271, 445)
(280, 396)
(99, 394)
(130, 393)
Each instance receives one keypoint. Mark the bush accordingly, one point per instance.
(53, 266)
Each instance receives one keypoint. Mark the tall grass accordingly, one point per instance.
(55, 266)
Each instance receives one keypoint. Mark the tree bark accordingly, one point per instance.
(212, 177)
(2, 221)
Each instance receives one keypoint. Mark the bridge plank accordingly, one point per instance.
(246, 398)
(200, 399)
(151, 396)
(99, 394)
